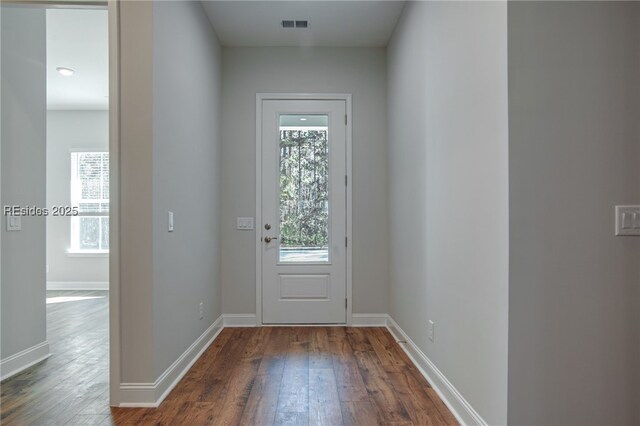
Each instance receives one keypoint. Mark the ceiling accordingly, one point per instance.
(77, 39)
(331, 23)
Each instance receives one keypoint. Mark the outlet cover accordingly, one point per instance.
(628, 220)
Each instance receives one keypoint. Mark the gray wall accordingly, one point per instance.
(186, 176)
(136, 192)
(360, 71)
(67, 131)
(574, 153)
(170, 161)
(23, 177)
(447, 68)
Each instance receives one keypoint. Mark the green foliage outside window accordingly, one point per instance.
(304, 185)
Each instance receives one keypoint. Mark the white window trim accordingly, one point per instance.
(87, 253)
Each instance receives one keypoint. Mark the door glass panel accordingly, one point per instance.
(304, 188)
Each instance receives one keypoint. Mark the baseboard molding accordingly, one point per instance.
(14, 364)
(77, 285)
(240, 320)
(369, 320)
(152, 394)
(461, 409)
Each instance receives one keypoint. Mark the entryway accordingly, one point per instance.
(303, 221)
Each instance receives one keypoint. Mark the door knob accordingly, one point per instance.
(268, 239)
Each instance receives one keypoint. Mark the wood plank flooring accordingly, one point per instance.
(248, 376)
(299, 376)
(72, 384)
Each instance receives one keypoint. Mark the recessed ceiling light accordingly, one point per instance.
(303, 119)
(67, 72)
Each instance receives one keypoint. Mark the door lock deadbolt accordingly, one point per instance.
(267, 226)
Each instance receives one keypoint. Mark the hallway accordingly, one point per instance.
(299, 376)
(311, 212)
(265, 375)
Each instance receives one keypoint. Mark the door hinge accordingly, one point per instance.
(345, 303)
(345, 180)
(346, 241)
(345, 119)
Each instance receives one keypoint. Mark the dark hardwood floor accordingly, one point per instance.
(299, 376)
(248, 376)
(72, 384)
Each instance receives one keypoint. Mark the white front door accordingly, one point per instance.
(303, 225)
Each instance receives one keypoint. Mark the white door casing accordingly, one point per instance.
(303, 282)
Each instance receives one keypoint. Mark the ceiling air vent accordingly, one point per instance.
(290, 23)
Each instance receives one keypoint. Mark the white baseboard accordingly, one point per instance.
(138, 395)
(369, 320)
(461, 409)
(14, 364)
(152, 394)
(240, 320)
(77, 285)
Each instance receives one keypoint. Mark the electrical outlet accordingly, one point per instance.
(201, 310)
(431, 331)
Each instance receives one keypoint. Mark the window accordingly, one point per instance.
(90, 193)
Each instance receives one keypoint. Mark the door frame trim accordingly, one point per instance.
(349, 205)
(113, 7)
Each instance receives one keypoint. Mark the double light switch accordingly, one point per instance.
(244, 223)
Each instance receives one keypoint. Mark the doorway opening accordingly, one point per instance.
(77, 165)
(303, 258)
(56, 73)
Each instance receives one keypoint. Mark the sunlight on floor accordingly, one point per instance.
(62, 299)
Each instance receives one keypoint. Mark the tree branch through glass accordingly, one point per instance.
(304, 194)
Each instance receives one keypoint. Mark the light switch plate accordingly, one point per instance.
(14, 223)
(628, 220)
(244, 223)
(431, 330)
(170, 221)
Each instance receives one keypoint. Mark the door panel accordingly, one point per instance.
(303, 210)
